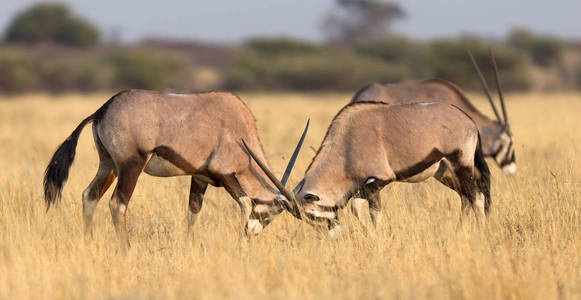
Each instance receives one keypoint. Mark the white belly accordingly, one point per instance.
(157, 166)
(423, 175)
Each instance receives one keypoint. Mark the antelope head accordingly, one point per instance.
(314, 202)
(503, 145)
(284, 200)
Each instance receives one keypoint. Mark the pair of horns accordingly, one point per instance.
(504, 120)
(280, 185)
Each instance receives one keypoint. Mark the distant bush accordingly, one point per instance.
(151, 69)
(51, 22)
(75, 71)
(577, 76)
(57, 70)
(398, 50)
(321, 70)
(450, 61)
(17, 71)
(544, 50)
(281, 45)
(25, 70)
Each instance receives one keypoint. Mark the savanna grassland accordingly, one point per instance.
(530, 249)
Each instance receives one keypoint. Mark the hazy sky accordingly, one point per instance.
(233, 20)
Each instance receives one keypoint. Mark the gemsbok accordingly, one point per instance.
(172, 135)
(371, 144)
(497, 137)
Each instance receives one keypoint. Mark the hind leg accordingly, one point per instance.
(128, 173)
(462, 180)
(446, 175)
(95, 191)
(471, 196)
(99, 185)
(197, 190)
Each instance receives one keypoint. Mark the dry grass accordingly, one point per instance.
(530, 249)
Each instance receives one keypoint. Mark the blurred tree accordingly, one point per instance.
(151, 69)
(52, 23)
(577, 76)
(544, 50)
(449, 60)
(358, 20)
(281, 45)
(400, 50)
(17, 71)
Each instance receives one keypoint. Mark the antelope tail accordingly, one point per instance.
(57, 171)
(484, 180)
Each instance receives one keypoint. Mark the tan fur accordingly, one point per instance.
(388, 143)
(493, 134)
(174, 135)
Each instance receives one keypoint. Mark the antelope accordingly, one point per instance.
(171, 135)
(497, 137)
(371, 144)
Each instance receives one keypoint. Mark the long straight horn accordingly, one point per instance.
(293, 158)
(274, 180)
(499, 87)
(485, 87)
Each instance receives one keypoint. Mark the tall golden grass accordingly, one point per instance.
(530, 249)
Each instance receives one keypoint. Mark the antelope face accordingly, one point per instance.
(319, 213)
(263, 213)
(505, 157)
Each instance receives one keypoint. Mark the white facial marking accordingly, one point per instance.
(254, 226)
(509, 169)
(335, 232)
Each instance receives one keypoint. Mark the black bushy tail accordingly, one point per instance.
(57, 171)
(484, 180)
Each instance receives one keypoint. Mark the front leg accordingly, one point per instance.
(249, 226)
(358, 209)
(335, 229)
(197, 190)
(374, 200)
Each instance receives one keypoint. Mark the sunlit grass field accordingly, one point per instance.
(530, 249)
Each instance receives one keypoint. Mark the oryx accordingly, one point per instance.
(497, 138)
(371, 144)
(171, 135)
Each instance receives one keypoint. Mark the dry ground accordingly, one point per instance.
(531, 248)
